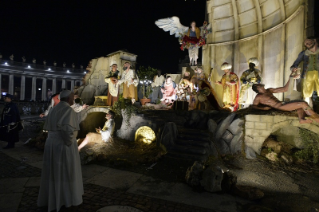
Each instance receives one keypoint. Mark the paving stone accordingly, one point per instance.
(33, 182)
(13, 168)
(10, 202)
(9, 185)
(115, 179)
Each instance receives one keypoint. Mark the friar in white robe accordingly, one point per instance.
(61, 178)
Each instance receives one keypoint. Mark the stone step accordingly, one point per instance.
(193, 137)
(203, 144)
(189, 149)
(192, 131)
(186, 156)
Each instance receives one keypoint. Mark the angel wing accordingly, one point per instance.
(173, 25)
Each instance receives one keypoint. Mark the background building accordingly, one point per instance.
(30, 81)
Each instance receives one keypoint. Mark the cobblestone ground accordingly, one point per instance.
(96, 197)
(12, 168)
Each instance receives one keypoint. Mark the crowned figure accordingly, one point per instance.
(230, 83)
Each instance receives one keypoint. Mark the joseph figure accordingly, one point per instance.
(61, 178)
(130, 81)
(113, 91)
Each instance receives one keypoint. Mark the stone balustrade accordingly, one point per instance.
(29, 108)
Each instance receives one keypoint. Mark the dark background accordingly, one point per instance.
(77, 31)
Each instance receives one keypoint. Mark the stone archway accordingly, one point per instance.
(95, 119)
(98, 109)
(259, 127)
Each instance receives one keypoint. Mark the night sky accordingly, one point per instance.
(78, 31)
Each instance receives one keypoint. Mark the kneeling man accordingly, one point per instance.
(265, 100)
(104, 134)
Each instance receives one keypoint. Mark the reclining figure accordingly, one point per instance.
(265, 100)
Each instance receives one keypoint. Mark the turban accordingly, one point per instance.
(226, 66)
(254, 60)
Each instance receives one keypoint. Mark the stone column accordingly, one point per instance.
(63, 83)
(44, 89)
(11, 84)
(54, 86)
(72, 85)
(22, 88)
(34, 88)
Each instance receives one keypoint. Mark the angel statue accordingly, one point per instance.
(191, 38)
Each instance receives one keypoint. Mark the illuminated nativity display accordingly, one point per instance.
(251, 100)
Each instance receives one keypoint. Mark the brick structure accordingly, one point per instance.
(259, 127)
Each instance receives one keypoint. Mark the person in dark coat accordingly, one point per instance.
(9, 124)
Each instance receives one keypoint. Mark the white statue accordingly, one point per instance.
(191, 38)
(34, 60)
(11, 57)
(54, 63)
(44, 62)
(23, 59)
(73, 66)
(64, 65)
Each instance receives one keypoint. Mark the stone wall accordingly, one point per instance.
(272, 30)
(259, 127)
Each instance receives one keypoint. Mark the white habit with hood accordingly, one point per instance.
(61, 178)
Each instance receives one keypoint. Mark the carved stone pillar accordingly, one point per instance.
(63, 84)
(44, 89)
(11, 84)
(72, 85)
(34, 88)
(22, 88)
(54, 86)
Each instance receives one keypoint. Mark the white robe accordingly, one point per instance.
(61, 178)
(113, 88)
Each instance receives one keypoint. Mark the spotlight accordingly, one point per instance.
(68, 71)
(6, 63)
(49, 69)
(29, 66)
(145, 134)
(85, 72)
(39, 89)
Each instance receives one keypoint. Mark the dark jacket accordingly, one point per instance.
(10, 114)
(302, 57)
